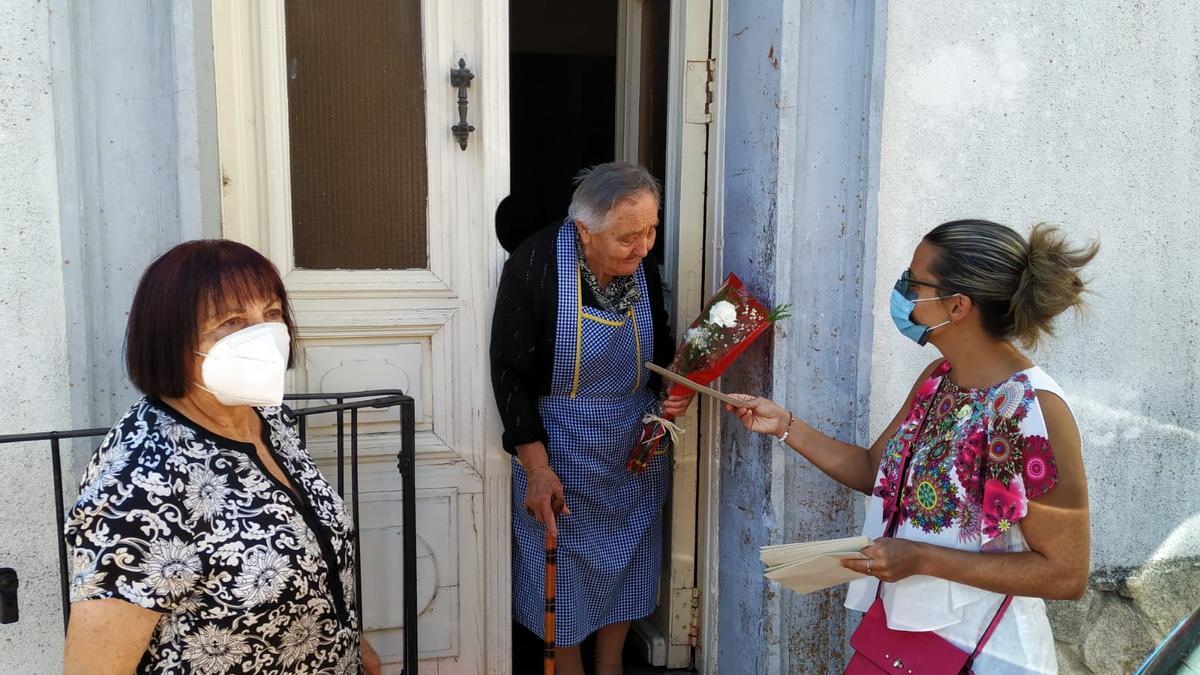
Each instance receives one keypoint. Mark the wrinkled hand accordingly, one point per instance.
(544, 497)
(761, 415)
(677, 405)
(370, 660)
(891, 559)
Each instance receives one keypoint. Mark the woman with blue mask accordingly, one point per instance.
(977, 506)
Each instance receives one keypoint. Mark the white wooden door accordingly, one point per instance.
(387, 306)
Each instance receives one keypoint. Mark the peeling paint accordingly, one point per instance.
(794, 221)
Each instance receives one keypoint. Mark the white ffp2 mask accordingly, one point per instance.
(247, 367)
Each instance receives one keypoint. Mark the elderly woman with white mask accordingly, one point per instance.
(578, 313)
(204, 538)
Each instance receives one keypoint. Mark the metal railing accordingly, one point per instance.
(345, 404)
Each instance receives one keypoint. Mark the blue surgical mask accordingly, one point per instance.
(902, 309)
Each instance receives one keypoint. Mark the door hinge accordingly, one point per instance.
(698, 91)
(694, 630)
(710, 67)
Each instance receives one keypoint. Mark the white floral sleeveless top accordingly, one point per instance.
(982, 455)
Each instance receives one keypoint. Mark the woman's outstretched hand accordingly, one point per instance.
(761, 415)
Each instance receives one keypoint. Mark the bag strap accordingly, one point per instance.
(894, 521)
(987, 634)
(906, 453)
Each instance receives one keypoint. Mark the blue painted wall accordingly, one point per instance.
(801, 158)
(747, 622)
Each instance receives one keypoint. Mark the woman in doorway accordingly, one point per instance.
(993, 497)
(204, 538)
(577, 313)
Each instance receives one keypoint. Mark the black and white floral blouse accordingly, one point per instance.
(249, 577)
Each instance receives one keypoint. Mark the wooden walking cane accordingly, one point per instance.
(551, 568)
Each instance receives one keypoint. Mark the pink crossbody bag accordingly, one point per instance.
(879, 649)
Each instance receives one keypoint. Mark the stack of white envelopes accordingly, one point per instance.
(811, 566)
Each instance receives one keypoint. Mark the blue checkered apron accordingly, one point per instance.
(610, 547)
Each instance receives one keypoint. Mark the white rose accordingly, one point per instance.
(723, 314)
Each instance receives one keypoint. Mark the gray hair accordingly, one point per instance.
(601, 187)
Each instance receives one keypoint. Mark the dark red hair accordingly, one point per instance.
(176, 290)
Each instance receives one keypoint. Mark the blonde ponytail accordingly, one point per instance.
(1050, 283)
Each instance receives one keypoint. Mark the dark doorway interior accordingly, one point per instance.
(562, 75)
(563, 83)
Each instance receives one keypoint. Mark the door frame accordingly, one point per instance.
(249, 56)
(629, 80)
(694, 194)
(708, 516)
(707, 18)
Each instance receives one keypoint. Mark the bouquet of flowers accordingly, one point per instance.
(729, 322)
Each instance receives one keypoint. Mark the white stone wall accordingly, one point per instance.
(1086, 115)
(33, 354)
